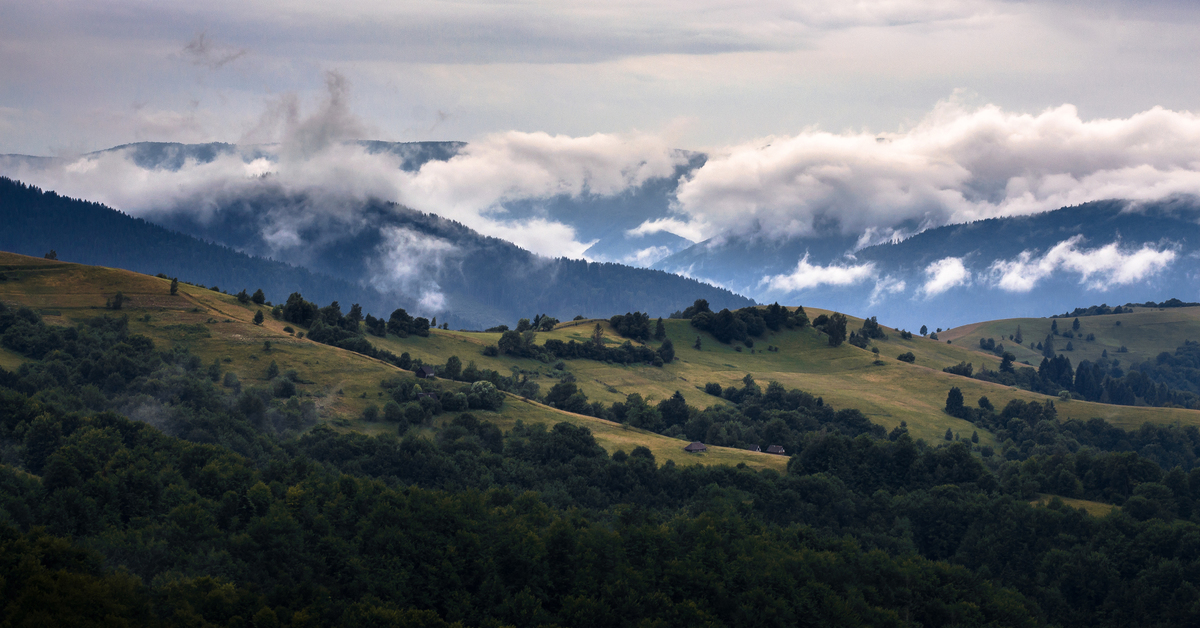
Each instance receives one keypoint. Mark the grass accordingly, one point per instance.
(1095, 509)
(1145, 332)
(216, 327)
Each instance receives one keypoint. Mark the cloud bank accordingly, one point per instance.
(1098, 269)
(957, 165)
(809, 275)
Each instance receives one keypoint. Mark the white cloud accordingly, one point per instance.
(647, 256)
(808, 275)
(944, 274)
(1098, 268)
(406, 261)
(885, 286)
(957, 165)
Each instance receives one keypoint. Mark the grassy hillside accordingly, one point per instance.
(342, 384)
(1145, 333)
(216, 327)
(846, 376)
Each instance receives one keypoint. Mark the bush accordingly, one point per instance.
(713, 389)
(907, 357)
(491, 351)
(370, 413)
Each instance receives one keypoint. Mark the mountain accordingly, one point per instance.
(1109, 251)
(400, 258)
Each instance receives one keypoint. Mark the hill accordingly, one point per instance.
(215, 327)
(1114, 251)
(421, 262)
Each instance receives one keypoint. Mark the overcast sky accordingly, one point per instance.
(700, 74)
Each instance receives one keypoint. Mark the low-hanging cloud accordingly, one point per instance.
(957, 165)
(314, 155)
(807, 275)
(1098, 268)
(944, 274)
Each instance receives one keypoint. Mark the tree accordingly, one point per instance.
(949, 434)
(954, 402)
(660, 331)
(1048, 347)
(1018, 339)
(51, 255)
(697, 345)
(667, 351)
(242, 297)
(1053, 328)
(1006, 363)
(258, 318)
(836, 328)
(258, 297)
(453, 368)
(116, 302)
(1075, 325)
(273, 370)
(175, 286)
(598, 336)
(924, 330)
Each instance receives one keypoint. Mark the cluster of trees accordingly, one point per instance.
(834, 326)
(204, 513)
(1169, 380)
(742, 325)
(525, 345)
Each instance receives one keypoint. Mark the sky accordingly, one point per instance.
(702, 74)
(880, 117)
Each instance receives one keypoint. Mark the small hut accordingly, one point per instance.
(755, 448)
(425, 372)
(776, 449)
(696, 448)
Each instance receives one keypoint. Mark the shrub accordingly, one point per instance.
(713, 389)
(907, 357)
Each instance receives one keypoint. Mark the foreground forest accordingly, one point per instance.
(151, 482)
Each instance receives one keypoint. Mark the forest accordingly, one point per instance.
(145, 487)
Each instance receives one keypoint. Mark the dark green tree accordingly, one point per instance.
(660, 331)
(258, 297)
(836, 328)
(242, 297)
(667, 351)
(174, 286)
(258, 318)
(697, 345)
(924, 330)
(954, 402)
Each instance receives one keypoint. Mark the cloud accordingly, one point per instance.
(957, 165)
(885, 286)
(944, 274)
(205, 52)
(808, 276)
(406, 260)
(1099, 268)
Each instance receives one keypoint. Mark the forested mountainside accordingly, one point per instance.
(37, 222)
(1052, 262)
(221, 505)
(405, 258)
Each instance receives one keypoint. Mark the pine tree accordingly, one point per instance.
(258, 297)
(697, 345)
(1075, 325)
(258, 318)
(175, 286)
(598, 336)
(974, 436)
(660, 331)
(1018, 339)
(949, 434)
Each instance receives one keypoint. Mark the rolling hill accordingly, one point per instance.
(438, 268)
